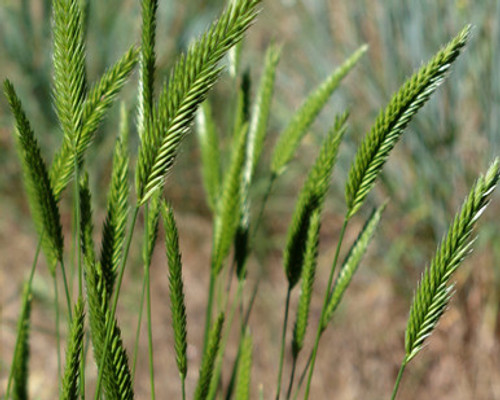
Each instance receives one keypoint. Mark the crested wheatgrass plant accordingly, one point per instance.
(162, 121)
(434, 290)
(391, 122)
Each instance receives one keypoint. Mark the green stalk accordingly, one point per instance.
(138, 330)
(66, 290)
(302, 377)
(126, 250)
(292, 376)
(150, 335)
(208, 313)
(147, 281)
(58, 334)
(78, 223)
(398, 379)
(16, 345)
(225, 338)
(283, 340)
(323, 309)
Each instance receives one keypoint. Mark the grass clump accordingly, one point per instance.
(163, 120)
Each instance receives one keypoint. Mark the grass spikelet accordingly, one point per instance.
(147, 62)
(208, 360)
(86, 226)
(22, 353)
(113, 231)
(308, 274)
(41, 197)
(351, 263)
(73, 353)
(193, 76)
(304, 117)
(311, 198)
(244, 368)
(228, 210)
(69, 65)
(177, 304)
(434, 291)
(102, 95)
(117, 380)
(210, 154)
(97, 103)
(261, 110)
(391, 122)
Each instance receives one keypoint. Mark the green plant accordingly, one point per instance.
(163, 121)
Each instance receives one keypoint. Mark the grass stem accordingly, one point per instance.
(150, 332)
(138, 329)
(208, 313)
(398, 379)
(323, 310)
(283, 342)
(25, 299)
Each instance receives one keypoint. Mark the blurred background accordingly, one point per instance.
(450, 141)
